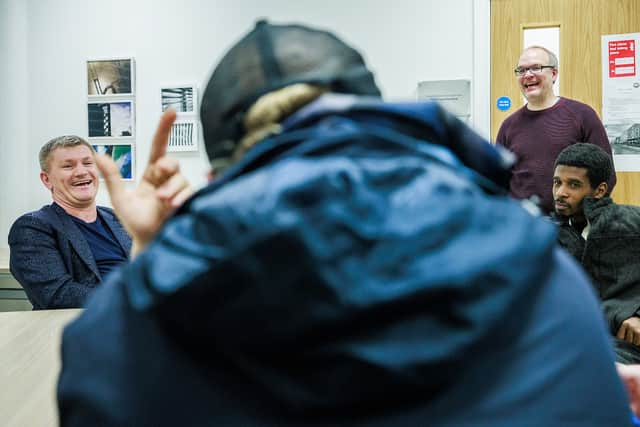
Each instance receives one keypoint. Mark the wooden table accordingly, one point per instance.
(29, 366)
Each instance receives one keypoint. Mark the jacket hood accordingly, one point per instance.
(339, 238)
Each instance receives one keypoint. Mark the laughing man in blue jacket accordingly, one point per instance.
(61, 253)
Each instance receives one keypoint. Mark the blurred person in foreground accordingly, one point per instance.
(353, 262)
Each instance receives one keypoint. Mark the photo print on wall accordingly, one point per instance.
(183, 136)
(110, 119)
(110, 77)
(111, 110)
(181, 98)
(122, 155)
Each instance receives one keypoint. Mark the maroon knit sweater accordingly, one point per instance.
(537, 137)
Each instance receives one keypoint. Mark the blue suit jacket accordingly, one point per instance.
(52, 260)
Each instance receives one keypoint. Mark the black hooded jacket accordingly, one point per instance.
(610, 255)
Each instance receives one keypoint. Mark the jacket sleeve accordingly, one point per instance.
(617, 310)
(36, 262)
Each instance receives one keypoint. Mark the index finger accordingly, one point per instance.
(161, 137)
(112, 177)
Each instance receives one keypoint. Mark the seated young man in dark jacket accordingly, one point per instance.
(604, 237)
(355, 263)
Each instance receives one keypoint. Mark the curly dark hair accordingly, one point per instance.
(590, 157)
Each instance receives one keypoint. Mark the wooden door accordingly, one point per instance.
(582, 23)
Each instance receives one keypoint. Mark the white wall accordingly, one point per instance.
(45, 44)
(15, 161)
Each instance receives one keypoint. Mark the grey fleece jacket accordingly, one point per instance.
(610, 255)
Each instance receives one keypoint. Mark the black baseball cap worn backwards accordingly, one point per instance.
(269, 58)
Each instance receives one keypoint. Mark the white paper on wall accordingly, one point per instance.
(621, 98)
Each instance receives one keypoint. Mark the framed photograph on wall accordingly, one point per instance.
(110, 77)
(122, 154)
(183, 136)
(110, 119)
(182, 98)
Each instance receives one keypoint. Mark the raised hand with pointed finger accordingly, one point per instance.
(143, 209)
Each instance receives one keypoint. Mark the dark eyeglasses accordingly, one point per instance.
(535, 69)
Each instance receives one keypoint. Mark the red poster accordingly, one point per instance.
(622, 58)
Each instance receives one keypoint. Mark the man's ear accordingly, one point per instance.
(44, 177)
(554, 74)
(601, 190)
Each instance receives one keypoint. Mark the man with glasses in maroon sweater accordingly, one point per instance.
(546, 125)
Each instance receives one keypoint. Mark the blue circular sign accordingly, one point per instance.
(503, 103)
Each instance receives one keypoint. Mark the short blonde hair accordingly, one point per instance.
(64, 141)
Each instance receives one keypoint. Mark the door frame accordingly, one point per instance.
(481, 81)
